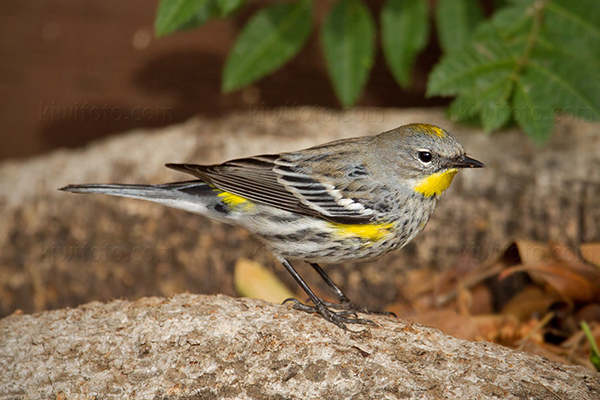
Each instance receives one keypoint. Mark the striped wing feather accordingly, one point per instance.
(273, 181)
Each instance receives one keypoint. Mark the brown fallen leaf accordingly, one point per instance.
(253, 280)
(589, 313)
(532, 302)
(576, 281)
(481, 300)
(563, 253)
(402, 310)
(532, 252)
(590, 252)
(551, 352)
(533, 330)
(541, 307)
(556, 265)
(578, 343)
(418, 282)
(449, 322)
(497, 328)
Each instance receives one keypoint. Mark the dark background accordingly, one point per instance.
(72, 71)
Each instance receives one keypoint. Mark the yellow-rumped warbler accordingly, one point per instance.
(351, 199)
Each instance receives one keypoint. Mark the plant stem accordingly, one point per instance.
(539, 8)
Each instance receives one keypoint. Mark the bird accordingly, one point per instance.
(347, 200)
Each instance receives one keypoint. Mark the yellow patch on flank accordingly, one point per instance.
(234, 200)
(435, 184)
(371, 232)
(434, 130)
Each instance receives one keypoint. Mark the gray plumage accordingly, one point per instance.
(350, 199)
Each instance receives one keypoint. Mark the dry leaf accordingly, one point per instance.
(565, 290)
(253, 280)
(418, 282)
(557, 266)
(552, 353)
(591, 253)
(528, 303)
(402, 310)
(589, 313)
(449, 322)
(563, 253)
(481, 300)
(531, 252)
(497, 328)
(576, 282)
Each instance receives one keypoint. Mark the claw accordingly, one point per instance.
(347, 305)
(340, 318)
(344, 302)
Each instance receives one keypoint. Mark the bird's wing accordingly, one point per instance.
(281, 183)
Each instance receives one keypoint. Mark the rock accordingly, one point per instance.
(217, 347)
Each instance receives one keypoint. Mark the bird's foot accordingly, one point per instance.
(340, 318)
(347, 305)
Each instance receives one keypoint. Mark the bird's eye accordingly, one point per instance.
(425, 156)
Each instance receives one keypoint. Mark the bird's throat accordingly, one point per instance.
(435, 184)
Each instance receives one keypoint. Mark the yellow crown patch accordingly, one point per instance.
(433, 130)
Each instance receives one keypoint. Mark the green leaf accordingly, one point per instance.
(532, 109)
(464, 109)
(489, 105)
(532, 59)
(404, 32)
(212, 9)
(347, 37)
(208, 11)
(456, 21)
(173, 14)
(228, 7)
(467, 71)
(271, 38)
(575, 24)
(494, 105)
(572, 84)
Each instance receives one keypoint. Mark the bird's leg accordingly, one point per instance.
(344, 301)
(340, 318)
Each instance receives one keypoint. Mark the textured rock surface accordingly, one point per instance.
(58, 249)
(216, 347)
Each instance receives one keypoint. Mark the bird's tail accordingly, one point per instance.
(193, 196)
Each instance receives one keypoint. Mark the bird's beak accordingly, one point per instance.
(467, 162)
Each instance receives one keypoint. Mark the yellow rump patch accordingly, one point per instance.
(234, 200)
(435, 184)
(433, 130)
(371, 232)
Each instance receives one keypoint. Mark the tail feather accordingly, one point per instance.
(193, 196)
(148, 192)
